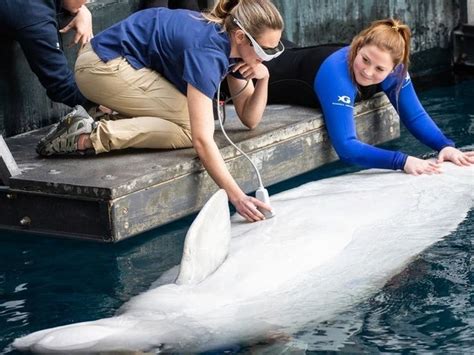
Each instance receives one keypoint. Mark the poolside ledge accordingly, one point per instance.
(114, 196)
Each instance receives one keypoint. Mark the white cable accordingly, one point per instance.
(227, 137)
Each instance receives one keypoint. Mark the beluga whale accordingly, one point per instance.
(332, 244)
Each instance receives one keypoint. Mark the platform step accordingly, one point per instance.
(117, 195)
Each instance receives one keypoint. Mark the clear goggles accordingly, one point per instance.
(264, 54)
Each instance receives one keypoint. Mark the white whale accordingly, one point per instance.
(332, 244)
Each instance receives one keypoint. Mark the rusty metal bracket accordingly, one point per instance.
(8, 166)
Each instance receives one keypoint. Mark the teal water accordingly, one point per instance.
(428, 307)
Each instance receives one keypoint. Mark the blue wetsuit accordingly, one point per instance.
(319, 77)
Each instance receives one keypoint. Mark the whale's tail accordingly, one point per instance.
(205, 248)
(81, 337)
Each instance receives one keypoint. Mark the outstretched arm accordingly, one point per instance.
(202, 131)
(341, 128)
(413, 115)
(421, 125)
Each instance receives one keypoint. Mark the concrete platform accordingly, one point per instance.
(114, 196)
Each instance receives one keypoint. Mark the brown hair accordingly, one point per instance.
(390, 35)
(256, 16)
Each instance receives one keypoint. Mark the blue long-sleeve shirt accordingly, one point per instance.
(319, 77)
(33, 24)
(337, 92)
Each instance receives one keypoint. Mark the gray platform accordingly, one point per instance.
(114, 196)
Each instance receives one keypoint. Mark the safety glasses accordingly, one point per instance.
(264, 54)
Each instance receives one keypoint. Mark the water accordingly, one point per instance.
(428, 307)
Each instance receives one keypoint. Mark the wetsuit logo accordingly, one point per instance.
(407, 80)
(344, 99)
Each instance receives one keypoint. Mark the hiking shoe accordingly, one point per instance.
(63, 138)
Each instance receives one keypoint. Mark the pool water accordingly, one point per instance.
(428, 307)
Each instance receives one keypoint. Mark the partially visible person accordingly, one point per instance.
(33, 23)
(333, 77)
(160, 69)
(171, 4)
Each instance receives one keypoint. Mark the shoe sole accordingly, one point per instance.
(41, 148)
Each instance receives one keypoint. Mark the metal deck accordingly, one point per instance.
(118, 195)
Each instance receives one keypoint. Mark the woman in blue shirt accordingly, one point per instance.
(333, 77)
(160, 70)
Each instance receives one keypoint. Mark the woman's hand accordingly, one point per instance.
(82, 24)
(416, 166)
(455, 156)
(258, 71)
(248, 206)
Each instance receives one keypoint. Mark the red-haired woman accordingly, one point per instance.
(333, 77)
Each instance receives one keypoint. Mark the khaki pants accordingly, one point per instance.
(152, 112)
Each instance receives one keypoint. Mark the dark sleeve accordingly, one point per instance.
(146, 4)
(412, 113)
(40, 43)
(172, 4)
(184, 4)
(336, 94)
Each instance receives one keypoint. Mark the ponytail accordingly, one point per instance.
(256, 16)
(220, 11)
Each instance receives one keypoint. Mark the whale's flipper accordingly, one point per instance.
(83, 337)
(207, 242)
